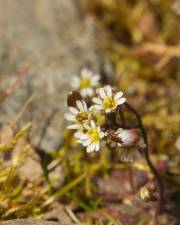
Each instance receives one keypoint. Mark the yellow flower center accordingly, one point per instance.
(85, 82)
(82, 117)
(94, 135)
(109, 103)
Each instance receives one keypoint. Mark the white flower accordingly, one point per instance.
(78, 115)
(106, 100)
(91, 137)
(129, 138)
(86, 82)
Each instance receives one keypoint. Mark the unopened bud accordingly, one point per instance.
(130, 137)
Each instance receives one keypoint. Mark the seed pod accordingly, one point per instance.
(73, 97)
(145, 195)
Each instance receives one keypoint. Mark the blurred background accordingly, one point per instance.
(133, 44)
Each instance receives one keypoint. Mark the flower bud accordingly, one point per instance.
(130, 138)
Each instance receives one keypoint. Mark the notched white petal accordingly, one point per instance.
(97, 101)
(97, 107)
(102, 134)
(121, 101)
(79, 105)
(118, 95)
(109, 91)
(87, 142)
(73, 110)
(97, 147)
(84, 105)
(93, 125)
(102, 93)
(74, 126)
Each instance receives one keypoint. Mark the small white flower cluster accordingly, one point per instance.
(103, 101)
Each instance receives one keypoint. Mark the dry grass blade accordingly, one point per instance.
(14, 85)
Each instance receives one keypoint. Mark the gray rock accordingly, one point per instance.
(30, 222)
(56, 39)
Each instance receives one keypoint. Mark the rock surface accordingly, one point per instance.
(56, 39)
(29, 222)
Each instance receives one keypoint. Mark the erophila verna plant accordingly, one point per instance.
(97, 117)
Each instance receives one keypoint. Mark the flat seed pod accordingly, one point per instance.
(73, 97)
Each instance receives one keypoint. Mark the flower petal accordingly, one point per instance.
(75, 82)
(93, 145)
(94, 80)
(74, 126)
(81, 135)
(97, 107)
(121, 101)
(109, 91)
(88, 149)
(73, 110)
(101, 134)
(87, 127)
(80, 105)
(97, 101)
(98, 129)
(109, 110)
(97, 147)
(93, 125)
(86, 143)
(118, 95)
(84, 106)
(89, 91)
(85, 73)
(102, 93)
(70, 117)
